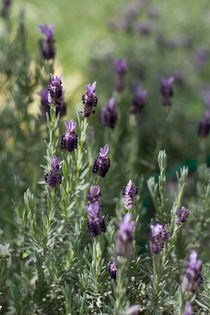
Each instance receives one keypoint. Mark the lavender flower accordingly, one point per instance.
(55, 91)
(202, 57)
(112, 268)
(129, 192)
(188, 309)
(94, 194)
(181, 216)
(45, 108)
(120, 71)
(96, 224)
(192, 278)
(102, 162)
(89, 100)
(167, 91)
(53, 177)
(158, 238)
(204, 125)
(48, 50)
(109, 114)
(69, 138)
(5, 7)
(138, 101)
(133, 310)
(124, 236)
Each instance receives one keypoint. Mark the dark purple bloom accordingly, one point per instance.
(109, 114)
(192, 278)
(45, 108)
(144, 28)
(96, 224)
(129, 192)
(53, 177)
(158, 238)
(188, 309)
(120, 71)
(204, 125)
(5, 7)
(138, 101)
(112, 268)
(48, 50)
(55, 91)
(124, 236)
(181, 216)
(94, 194)
(69, 138)
(102, 162)
(89, 100)
(167, 91)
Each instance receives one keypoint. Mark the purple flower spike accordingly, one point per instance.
(48, 50)
(53, 177)
(55, 91)
(167, 91)
(192, 278)
(69, 138)
(94, 194)
(109, 114)
(45, 108)
(138, 101)
(181, 216)
(102, 162)
(158, 238)
(5, 7)
(96, 224)
(188, 309)
(124, 236)
(120, 66)
(120, 71)
(129, 192)
(89, 100)
(112, 268)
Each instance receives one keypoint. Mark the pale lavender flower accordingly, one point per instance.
(89, 100)
(48, 50)
(124, 236)
(133, 310)
(96, 224)
(130, 192)
(188, 309)
(55, 91)
(167, 90)
(109, 114)
(120, 71)
(102, 162)
(69, 138)
(192, 278)
(53, 177)
(181, 216)
(158, 238)
(94, 194)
